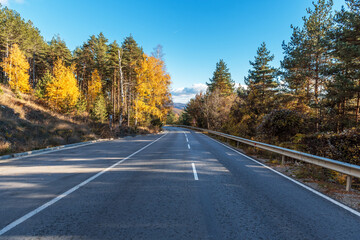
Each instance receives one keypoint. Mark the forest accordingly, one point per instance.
(311, 103)
(99, 80)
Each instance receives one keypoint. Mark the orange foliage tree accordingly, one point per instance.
(62, 92)
(94, 88)
(152, 90)
(16, 68)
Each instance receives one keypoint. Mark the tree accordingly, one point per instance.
(343, 89)
(295, 71)
(221, 79)
(132, 56)
(62, 92)
(16, 68)
(59, 50)
(114, 71)
(316, 26)
(216, 108)
(152, 99)
(40, 90)
(94, 89)
(99, 111)
(261, 82)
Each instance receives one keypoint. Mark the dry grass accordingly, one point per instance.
(17, 103)
(25, 124)
(4, 147)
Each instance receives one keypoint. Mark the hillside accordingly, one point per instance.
(178, 108)
(26, 125)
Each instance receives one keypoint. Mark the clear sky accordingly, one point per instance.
(195, 34)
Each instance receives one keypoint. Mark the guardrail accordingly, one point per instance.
(350, 170)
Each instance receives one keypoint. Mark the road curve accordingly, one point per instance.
(178, 185)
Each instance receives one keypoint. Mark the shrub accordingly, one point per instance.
(344, 146)
(40, 90)
(99, 111)
(282, 124)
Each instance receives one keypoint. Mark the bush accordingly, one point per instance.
(282, 124)
(40, 90)
(344, 146)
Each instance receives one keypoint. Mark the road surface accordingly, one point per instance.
(176, 185)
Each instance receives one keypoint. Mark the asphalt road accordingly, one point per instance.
(178, 185)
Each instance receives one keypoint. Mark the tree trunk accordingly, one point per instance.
(121, 89)
(128, 107)
(357, 107)
(113, 94)
(33, 71)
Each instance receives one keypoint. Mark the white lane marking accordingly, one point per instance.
(194, 171)
(59, 197)
(294, 181)
(187, 140)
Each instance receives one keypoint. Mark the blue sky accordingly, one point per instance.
(195, 34)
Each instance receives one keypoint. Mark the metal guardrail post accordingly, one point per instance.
(348, 182)
(282, 160)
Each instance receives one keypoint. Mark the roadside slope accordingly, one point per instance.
(26, 125)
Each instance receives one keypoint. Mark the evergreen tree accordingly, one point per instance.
(343, 91)
(114, 75)
(99, 112)
(221, 79)
(295, 71)
(132, 55)
(101, 55)
(59, 50)
(316, 25)
(261, 82)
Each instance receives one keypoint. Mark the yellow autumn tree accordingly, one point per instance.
(62, 92)
(152, 90)
(94, 88)
(17, 68)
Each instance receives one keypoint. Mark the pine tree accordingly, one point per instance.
(16, 68)
(261, 82)
(343, 91)
(132, 56)
(316, 25)
(295, 71)
(99, 111)
(59, 50)
(221, 79)
(114, 74)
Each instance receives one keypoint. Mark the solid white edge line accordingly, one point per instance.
(194, 171)
(51, 202)
(50, 151)
(294, 181)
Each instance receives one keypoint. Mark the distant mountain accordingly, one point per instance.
(179, 106)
